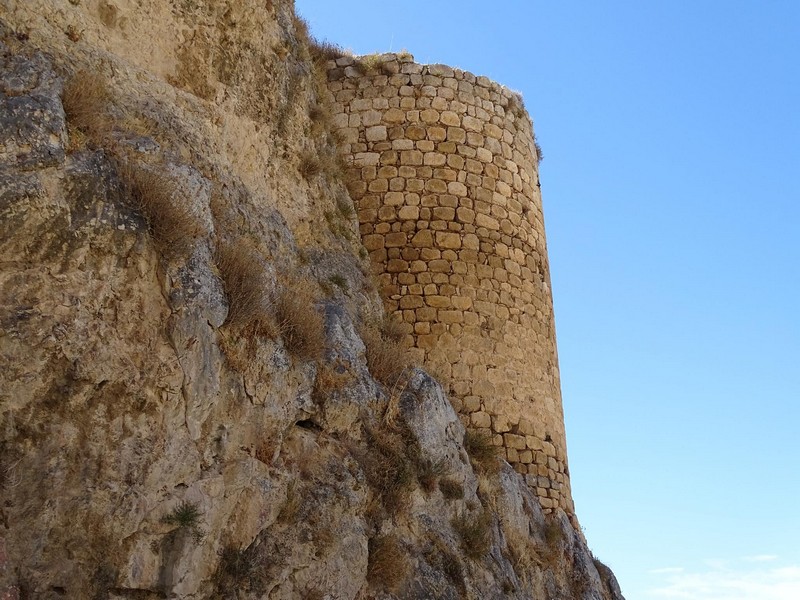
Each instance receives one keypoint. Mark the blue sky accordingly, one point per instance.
(671, 184)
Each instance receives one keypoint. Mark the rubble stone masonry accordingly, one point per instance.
(444, 174)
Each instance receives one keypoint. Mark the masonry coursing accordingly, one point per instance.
(444, 174)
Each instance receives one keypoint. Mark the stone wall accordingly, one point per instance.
(443, 171)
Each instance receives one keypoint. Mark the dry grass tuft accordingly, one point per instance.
(310, 165)
(319, 114)
(428, 471)
(300, 27)
(175, 229)
(387, 357)
(451, 489)
(299, 322)
(475, 533)
(388, 564)
(539, 153)
(291, 508)
(390, 464)
(245, 284)
(329, 379)
(441, 557)
(369, 64)
(332, 162)
(323, 51)
(86, 98)
(483, 454)
(516, 105)
(521, 552)
(554, 540)
(237, 568)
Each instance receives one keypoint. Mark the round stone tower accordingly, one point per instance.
(444, 175)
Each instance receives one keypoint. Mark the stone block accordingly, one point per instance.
(481, 419)
(446, 239)
(408, 213)
(423, 239)
(472, 124)
(394, 115)
(457, 188)
(487, 221)
(366, 159)
(436, 186)
(370, 118)
(393, 198)
(437, 134)
(484, 155)
(455, 134)
(378, 185)
(450, 118)
(396, 240)
(427, 342)
(465, 215)
(411, 157)
(434, 159)
(451, 316)
(440, 70)
(426, 313)
(372, 242)
(411, 302)
(396, 265)
(461, 302)
(438, 301)
(454, 160)
(429, 116)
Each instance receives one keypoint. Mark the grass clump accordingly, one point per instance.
(451, 489)
(554, 539)
(299, 322)
(387, 357)
(369, 63)
(474, 532)
(440, 556)
(245, 284)
(85, 99)
(186, 516)
(322, 51)
(483, 454)
(310, 165)
(538, 148)
(388, 563)
(345, 207)
(339, 281)
(329, 379)
(428, 471)
(236, 568)
(318, 114)
(174, 228)
(390, 464)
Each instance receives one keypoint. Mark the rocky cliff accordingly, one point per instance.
(200, 395)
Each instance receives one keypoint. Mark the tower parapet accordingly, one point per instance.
(444, 174)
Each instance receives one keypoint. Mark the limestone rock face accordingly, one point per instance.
(178, 424)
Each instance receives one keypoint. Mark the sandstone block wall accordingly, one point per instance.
(443, 171)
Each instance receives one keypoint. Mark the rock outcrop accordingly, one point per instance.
(199, 394)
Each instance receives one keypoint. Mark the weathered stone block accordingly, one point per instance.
(448, 240)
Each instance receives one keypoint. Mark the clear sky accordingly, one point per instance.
(671, 186)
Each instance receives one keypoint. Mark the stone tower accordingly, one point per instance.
(444, 174)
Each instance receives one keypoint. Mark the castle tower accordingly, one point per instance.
(445, 179)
